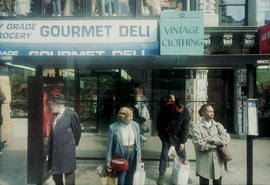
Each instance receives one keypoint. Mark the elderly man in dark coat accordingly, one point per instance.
(64, 136)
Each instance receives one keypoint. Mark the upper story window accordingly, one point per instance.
(18, 8)
(64, 8)
(232, 12)
(263, 12)
(110, 7)
(90, 8)
(154, 7)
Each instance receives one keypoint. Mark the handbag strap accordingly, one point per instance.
(128, 154)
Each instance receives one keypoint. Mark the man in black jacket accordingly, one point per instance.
(64, 136)
(173, 126)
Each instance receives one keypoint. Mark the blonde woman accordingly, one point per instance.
(207, 136)
(124, 140)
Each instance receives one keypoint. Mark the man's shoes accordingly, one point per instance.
(160, 180)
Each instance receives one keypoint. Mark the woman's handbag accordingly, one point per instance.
(119, 164)
(224, 153)
(109, 179)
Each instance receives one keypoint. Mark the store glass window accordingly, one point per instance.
(263, 90)
(18, 81)
(89, 8)
(63, 8)
(232, 12)
(103, 92)
(263, 12)
(18, 8)
(154, 7)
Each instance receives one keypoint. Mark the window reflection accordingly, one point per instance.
(233, 1)
(232, 12)
(232, 15)
(65, 8)
(173, 5)
(151, 7)
(111, 7)
(154, 7)
(263, 12)
(16, 7)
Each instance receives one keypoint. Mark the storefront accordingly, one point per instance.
(93, 51)
(99, 63)
(97, 90)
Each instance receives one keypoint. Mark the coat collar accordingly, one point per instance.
(62, 117)
(202, 123)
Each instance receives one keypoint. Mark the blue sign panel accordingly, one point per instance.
(181, 33)
(78, 38)
(69, 49)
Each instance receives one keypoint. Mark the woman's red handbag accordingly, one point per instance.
(119, 164)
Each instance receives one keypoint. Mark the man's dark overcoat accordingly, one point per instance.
(63, 139)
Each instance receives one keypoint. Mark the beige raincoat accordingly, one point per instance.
(206, 140)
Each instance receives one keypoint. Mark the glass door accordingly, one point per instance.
(106, 101)
(97, 100)
(88, 103)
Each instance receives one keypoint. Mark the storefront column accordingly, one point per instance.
(239, 85)
(196, 93)
(7, 126)
(251, 85)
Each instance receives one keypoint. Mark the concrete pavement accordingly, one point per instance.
(13, 162)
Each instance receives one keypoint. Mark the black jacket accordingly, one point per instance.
(164, 118)
(179, 126)
(173, 124)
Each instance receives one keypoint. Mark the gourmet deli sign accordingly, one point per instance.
(78, 37)
(181, 33)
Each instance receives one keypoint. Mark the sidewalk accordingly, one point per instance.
(13, 162)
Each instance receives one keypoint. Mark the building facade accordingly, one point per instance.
(100, 51)
(102, 54)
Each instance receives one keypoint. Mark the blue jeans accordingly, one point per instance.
(56, 5)
(112, 7)
(166, 143)
(126, 178)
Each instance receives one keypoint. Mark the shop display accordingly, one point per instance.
(19, 101)
(88, 104)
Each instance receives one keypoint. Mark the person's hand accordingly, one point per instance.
(108, 165)
(181, 147)
(213, 140)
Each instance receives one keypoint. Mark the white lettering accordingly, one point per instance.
(9, 53)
